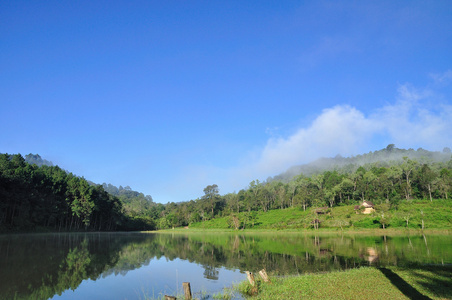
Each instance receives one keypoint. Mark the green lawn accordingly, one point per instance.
(431, 282)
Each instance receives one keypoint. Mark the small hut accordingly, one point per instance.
(368, 204)
(368, 207)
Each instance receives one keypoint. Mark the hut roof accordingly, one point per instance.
(368, 203)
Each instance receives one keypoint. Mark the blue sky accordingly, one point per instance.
(171, 96)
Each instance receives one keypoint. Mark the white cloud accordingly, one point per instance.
(442, 78)
(410, 122)
(345, 130)
(336, 130)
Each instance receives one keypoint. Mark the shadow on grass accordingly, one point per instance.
(439, 280)
(402, 285)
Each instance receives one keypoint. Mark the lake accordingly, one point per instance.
(150, 265)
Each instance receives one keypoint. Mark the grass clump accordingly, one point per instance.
(227, 294)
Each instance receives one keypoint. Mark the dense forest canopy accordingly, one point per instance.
(48, 198)
(35, 194)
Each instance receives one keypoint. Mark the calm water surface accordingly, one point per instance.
(140, 265)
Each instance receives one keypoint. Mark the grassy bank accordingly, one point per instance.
(309, 232)
(430, 282)
(413, 215)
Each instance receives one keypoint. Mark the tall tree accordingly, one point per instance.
(407, 167)
(211, 194)
(444, 182)
(427, 176)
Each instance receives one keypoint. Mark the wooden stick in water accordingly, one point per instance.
(264, 275)
(187, 290)
(250, 277)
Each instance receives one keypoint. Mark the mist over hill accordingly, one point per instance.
(385, 157)
(50, 197)
(36, 159)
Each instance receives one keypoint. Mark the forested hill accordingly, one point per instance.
(125, 192)
(390, 177)
(47, 197)
(50, 198)
(134, 203)
(385, 157)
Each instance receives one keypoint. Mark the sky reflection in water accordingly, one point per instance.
(137, 265)
(160, 277)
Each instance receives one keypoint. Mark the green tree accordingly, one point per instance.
(427, 177)
(444, 182)
(407, 167)
(211, 194)
(346, 189)
(304, 192)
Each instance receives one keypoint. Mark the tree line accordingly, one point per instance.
(51, 198)
(47, 197)
(380, 182)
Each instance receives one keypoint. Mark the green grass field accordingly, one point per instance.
(431, 282)
(407, 215)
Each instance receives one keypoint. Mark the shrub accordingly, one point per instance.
(367, 223)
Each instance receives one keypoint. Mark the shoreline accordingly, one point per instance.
(326, 231)
(379, 232)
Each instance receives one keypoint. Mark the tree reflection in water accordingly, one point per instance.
(41, 266)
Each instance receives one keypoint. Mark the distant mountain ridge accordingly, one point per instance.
(388, 155)
(36, 159)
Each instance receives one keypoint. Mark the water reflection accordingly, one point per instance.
(42, 266)
(210, 272)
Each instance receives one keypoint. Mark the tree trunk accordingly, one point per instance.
(12, 214)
